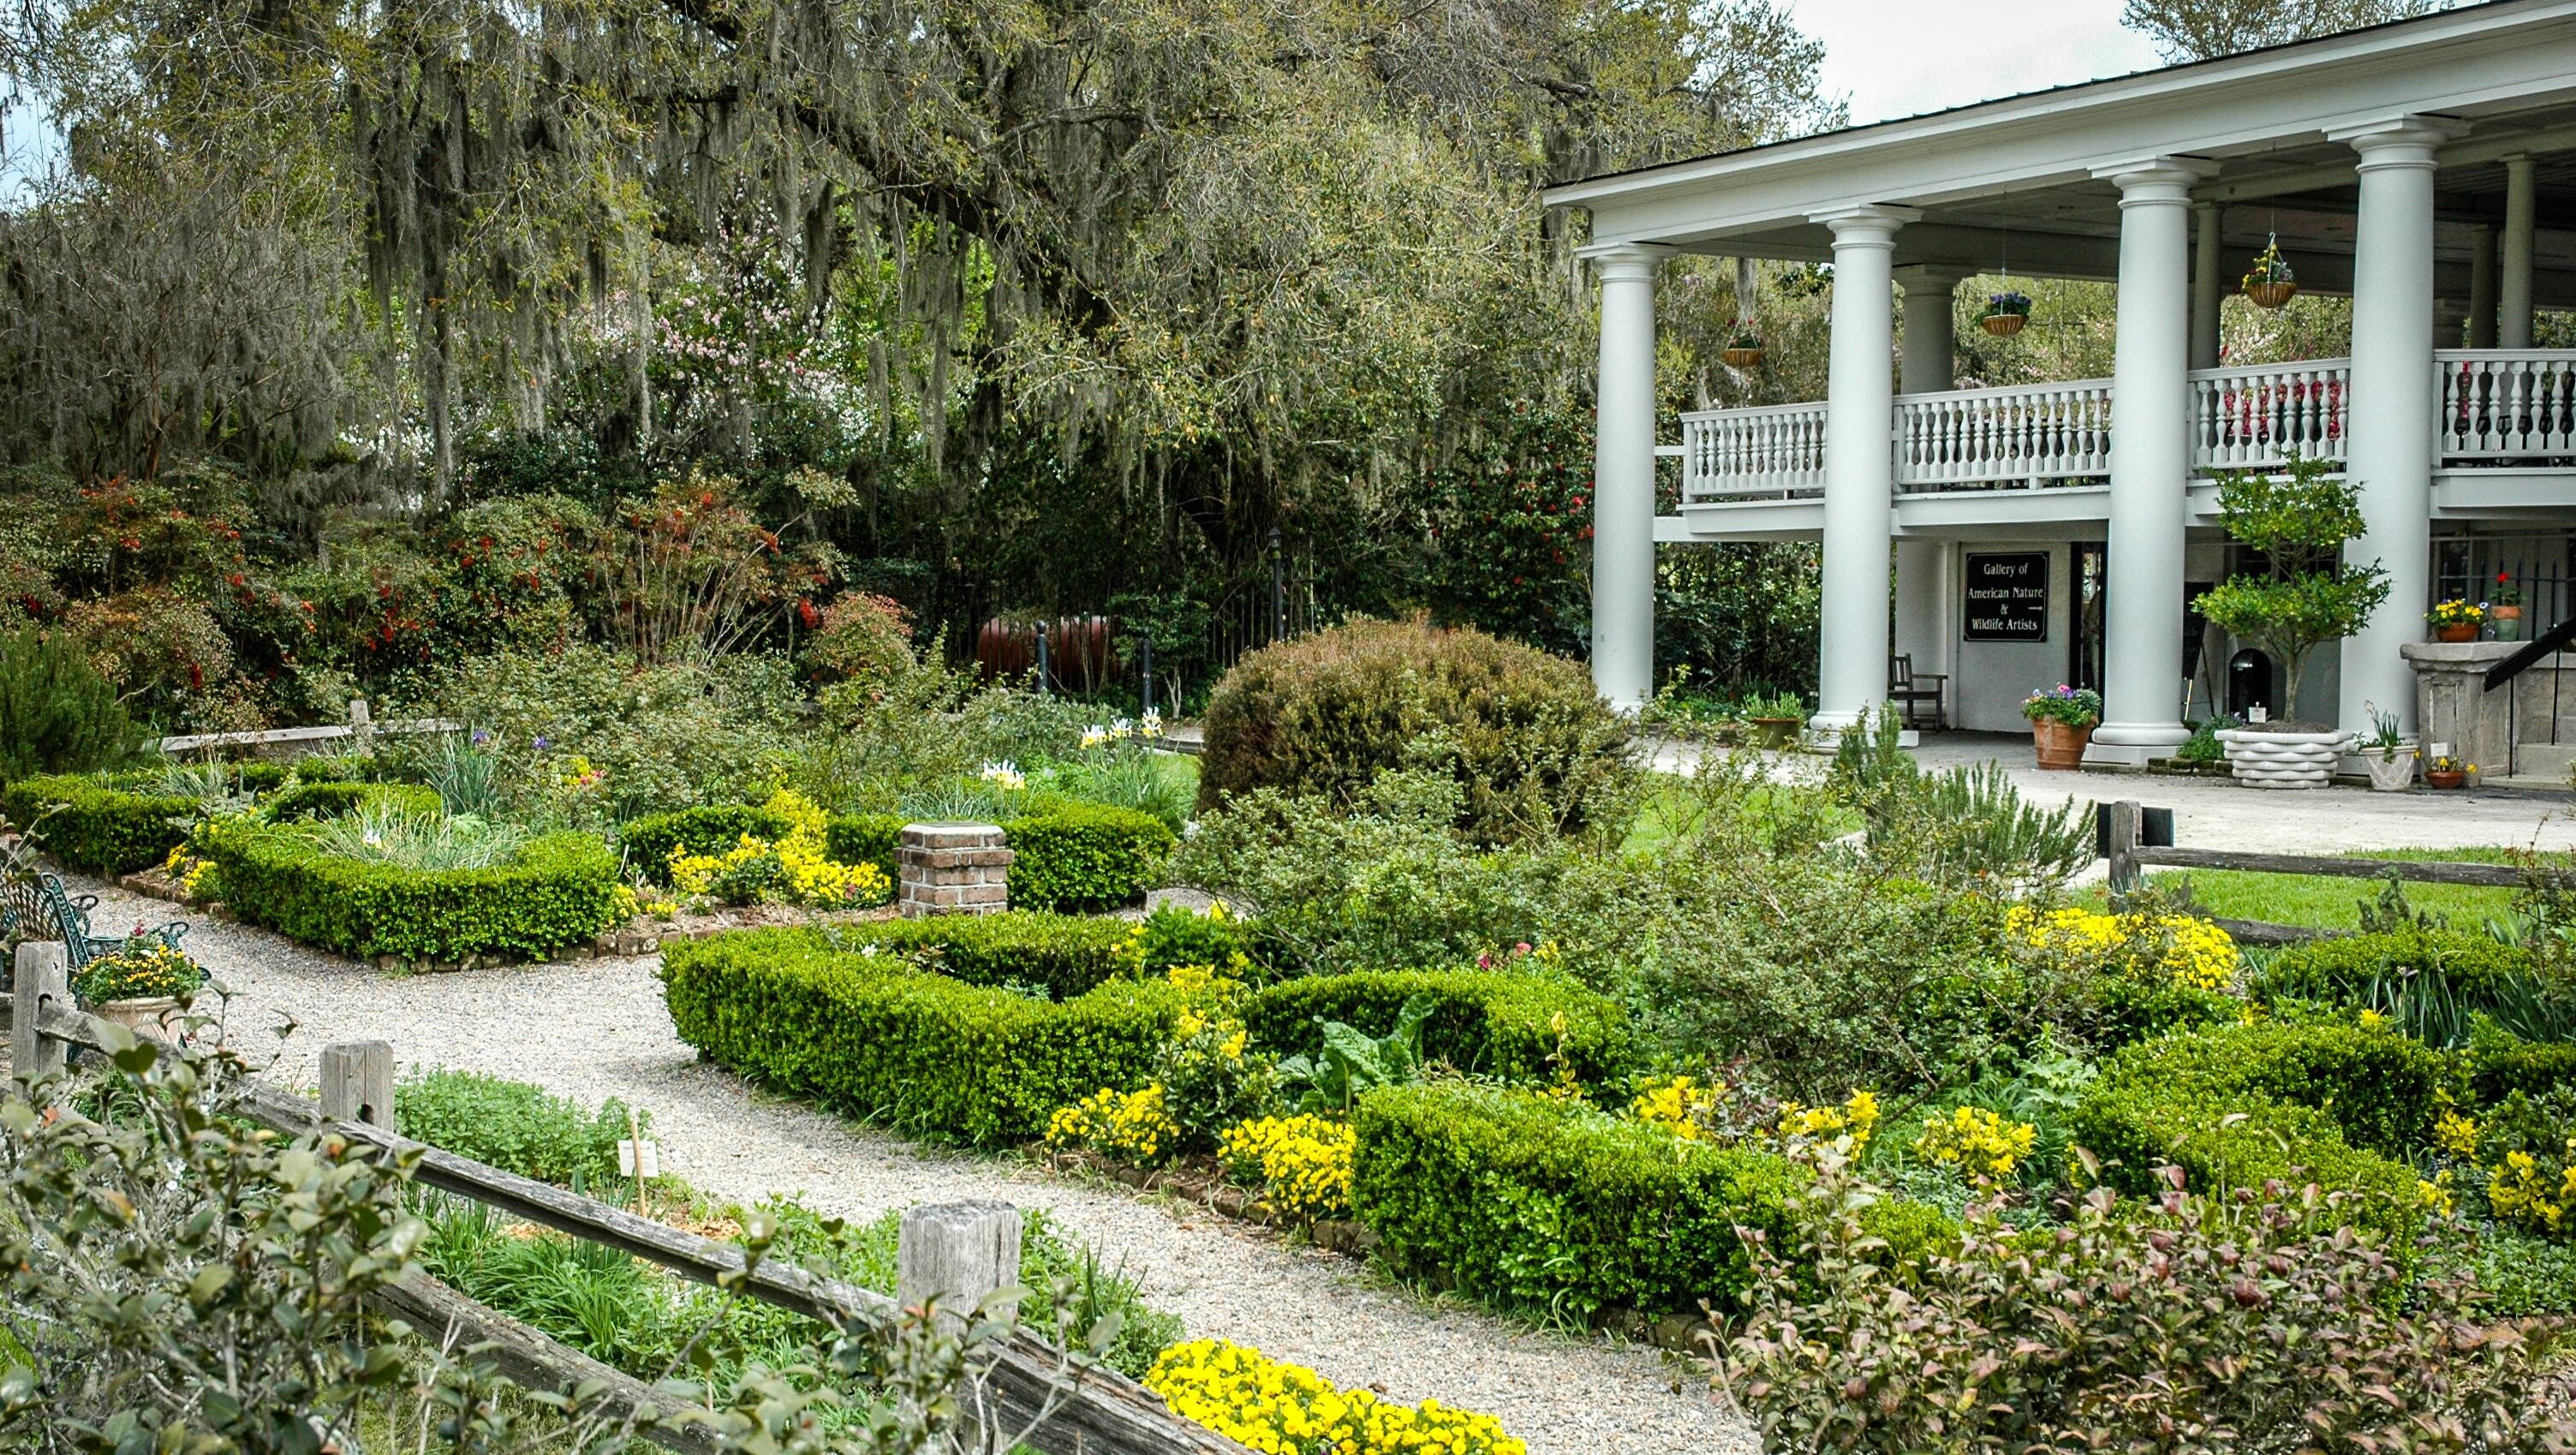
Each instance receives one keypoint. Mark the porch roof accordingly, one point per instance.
(2019, 182)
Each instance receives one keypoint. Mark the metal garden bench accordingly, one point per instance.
(38, 902)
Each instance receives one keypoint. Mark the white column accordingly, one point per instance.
(2150, 462)
(2482, 287)
(1623, 474)
(2208, 284)
(1851, 674)
(1927, 351)
(2391, 445)
(2521, 219)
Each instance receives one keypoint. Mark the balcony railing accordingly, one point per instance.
(2507, 407)
(2497, 408)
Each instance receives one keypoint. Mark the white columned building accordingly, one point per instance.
(2014, 535)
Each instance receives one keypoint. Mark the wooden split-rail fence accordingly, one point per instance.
(958, 1253)
(2129, 858)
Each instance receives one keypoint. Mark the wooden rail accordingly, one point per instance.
(1076, 1410)
(2128, 859)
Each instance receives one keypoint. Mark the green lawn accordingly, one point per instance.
(2329, 903)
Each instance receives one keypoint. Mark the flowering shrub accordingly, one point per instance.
(2525, 1149)
(1856, 1118)
(1287, 1409)
(1210, 1077)
(1976, 1141)
(796, 867)
(1131, 1126)
(2190, 952)
(1726, 1112)
(1681, 1105)
(145, 968)
(1301, 1163)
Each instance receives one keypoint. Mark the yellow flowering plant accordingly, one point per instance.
(2525, 1151)
(1856, 1119)
(1287, 1409)
(1302, 1164)
(1985, 1146)
(1134, 1127)
(2178, 948)
(143, 968)
(794, 868)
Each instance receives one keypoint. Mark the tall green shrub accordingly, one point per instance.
(1524, 733)
(57, 714)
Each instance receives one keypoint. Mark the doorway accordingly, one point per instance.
(2084, 643)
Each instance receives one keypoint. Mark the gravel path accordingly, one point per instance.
(598, 1029)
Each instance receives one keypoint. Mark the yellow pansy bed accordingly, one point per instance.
(1287, 1409)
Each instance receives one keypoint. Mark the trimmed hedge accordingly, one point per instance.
(927, 1054)
(855, 838)
(1067, 954)
(1532, 1203)
(307, 801)
(1495, 1022)
(2500, 1065)
(2341, 968)
(96, 827)
(1077, 857)
(561, 890)
(2235, 1105)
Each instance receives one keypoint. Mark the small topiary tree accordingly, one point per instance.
(57, 714)
(2305, 596)
(1525, 735)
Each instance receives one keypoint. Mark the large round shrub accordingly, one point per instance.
(1530, 742)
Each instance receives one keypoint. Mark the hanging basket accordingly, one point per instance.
(2271, 294)
(1740, 358)
(2004, 325)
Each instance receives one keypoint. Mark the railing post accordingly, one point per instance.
(958, 1254)
(2123, 817)
(44, 982)
(358, 1083)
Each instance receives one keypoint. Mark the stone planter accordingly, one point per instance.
(2060, 745)
(143, 1017)
(2391, 775)
(2456, 631)
(2283, 760)
(1776, 732)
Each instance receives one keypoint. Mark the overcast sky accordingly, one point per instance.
(1905, 57)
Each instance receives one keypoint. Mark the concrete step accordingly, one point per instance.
(2543, 762)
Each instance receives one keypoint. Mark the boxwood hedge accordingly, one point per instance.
(1497, 1022)
(1086, 856)
(927, 1054)
(1533, 1203)
(2235, 1105)
(560, 890)
(96, 826)
(330, 799)
(1066, 954)
(2342, 968)
(2500, 1065)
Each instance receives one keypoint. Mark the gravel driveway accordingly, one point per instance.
(598, 1029)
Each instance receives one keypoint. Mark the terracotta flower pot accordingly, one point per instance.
(2271, 295)
(1740, 358)
(2453, 779)
(2004, 325)
(2456, 631)
(2508, 623)
(2060, 745)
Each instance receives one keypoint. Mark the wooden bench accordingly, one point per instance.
(39, 903)
(1910, 690)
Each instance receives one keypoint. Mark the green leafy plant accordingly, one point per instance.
(378, 831)
(1083, 857)
(2195, 1321)
(1528, 741)
(1352, 1062)
(57, 714)
(2387, 735)
(1515, 1024)
(2306, 595)
(2070, 706)
(1959, 825)
(513, 1125)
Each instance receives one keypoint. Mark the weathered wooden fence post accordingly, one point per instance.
(362, 723)
(2124, 818)
(358, 1083)
(957, 1252)
(44, 982)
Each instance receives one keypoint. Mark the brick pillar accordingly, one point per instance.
(954, 868)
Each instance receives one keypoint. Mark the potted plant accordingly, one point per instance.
(2305, 595)
(138, 985)
(2006, 313)
(2445, 771)
(2391, 758)
(2504, 608)
(2269, 283)
(2456, 620)
(2061, 723)
(1776, 718)
(1743, 347)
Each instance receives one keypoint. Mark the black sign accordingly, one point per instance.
(2007, 597)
